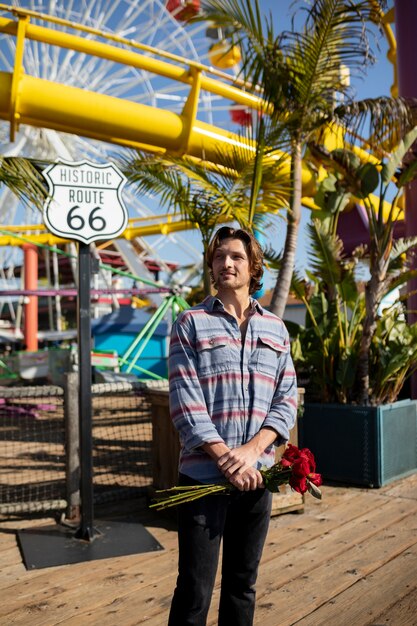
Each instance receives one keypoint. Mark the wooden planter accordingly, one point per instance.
(165, 441)
(287, 500)
(368, 446)
(166, 448)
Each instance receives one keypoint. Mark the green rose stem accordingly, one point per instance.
(273, 477)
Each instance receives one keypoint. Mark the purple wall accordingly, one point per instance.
(406, 36)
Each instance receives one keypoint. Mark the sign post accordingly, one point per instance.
(86, 530)
(85, 205)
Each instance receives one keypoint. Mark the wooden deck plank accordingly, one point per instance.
(329, 544)
(164, 586)
(315, 566)
(115, 577)
(402, 613)
(321, 549)
(371, 600)
(324, 583)
(78, 606)
(404, 488)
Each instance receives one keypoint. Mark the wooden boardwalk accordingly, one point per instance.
(350, 559)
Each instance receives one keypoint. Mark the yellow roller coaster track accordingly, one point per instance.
(28, 100)
(41, 103)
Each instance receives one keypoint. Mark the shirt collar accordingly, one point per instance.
(213, 303)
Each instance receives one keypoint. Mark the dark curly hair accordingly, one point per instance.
(253, 250)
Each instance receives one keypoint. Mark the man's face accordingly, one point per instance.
(230, 266)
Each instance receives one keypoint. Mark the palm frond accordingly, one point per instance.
(271, 170)
(248, 29)
(326, 253)
(24, 179)
(188, 187)
(384, 119)
(400, 270)
(401, 247)
(183, 182)
(153, 176)
(273, 258)
(335, 34)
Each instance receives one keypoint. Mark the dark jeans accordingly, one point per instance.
(242, 520)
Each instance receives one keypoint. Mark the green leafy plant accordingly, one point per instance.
(23, 177)
(355, 347)
(241, 187)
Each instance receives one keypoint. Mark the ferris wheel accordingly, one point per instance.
(157, 23)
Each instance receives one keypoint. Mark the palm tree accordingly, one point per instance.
(207, 195)
(24, 179)
(300, 76)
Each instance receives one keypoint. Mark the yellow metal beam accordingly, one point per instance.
(38, 234)
(180, 73)
(17, 73)
(135, 45)
(47, 104)
(386, 20)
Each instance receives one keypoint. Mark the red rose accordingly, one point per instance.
(316, 479)
(301, 467)
(290, 455)
(298, 483)
(305, 452)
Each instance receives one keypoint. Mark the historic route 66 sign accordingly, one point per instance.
(85, 202)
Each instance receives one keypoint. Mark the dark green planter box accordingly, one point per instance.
(368, 446)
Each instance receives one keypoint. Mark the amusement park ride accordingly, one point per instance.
(76, 82)
(76, 79)
(138, 81)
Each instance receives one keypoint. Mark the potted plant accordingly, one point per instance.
(356, 349)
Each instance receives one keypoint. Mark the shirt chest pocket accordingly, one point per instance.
(267, 355)
(213, 355)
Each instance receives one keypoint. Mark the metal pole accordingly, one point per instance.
(150, 328)
(72, 445)
(31, 306)
(86, 530)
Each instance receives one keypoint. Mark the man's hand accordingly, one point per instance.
(237, 464)
(238, 460)
(248, 480)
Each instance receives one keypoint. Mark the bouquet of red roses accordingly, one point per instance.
(296, 468)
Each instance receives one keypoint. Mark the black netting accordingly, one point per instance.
(122, 440)
(32, 445)
(32, 448)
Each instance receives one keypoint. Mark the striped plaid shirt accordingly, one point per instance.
(221, 391)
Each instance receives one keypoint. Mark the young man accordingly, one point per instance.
(233, 395)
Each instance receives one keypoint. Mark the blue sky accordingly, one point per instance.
(379, 77)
